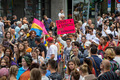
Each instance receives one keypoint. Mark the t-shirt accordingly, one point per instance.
(1, 31)
(60, 14)
(117, 59)
(47, 23)
(114, 33)
(45, 78)
(55, 76)
(17, 29)
(52, 50)
(90, 37)
(110, 75)
(39, 57)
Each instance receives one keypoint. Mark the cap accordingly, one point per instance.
(50, 39)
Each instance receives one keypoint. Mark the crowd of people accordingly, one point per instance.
(91, 53)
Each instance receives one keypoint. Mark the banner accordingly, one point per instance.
(65, 26)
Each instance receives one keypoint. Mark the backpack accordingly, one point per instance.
(114, 65)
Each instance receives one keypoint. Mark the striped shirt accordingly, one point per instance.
(110, 75)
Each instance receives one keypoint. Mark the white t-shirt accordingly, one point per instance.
(117, 59)
(114, 33)
(39, 57)
(52, 50)
(60, 14)
(83, 27)
(45, 78)
(90, 37)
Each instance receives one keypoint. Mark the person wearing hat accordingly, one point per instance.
(52, 49)
(24, 72)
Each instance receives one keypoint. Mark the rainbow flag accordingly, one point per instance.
(38, 27)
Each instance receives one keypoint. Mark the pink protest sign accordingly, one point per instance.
(65, 26)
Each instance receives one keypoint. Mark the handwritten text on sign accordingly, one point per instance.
(65, 26)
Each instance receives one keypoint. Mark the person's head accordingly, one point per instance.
(34, 54)
(105, 65)
(117, 50)
(70, 66)
(89, 63)
(51, 64)
(43, 69)
(24, 18)
(26, 61)
(12, 31)
(26, 43)
(3, 63)
(19, 24)
(89, 22)
(68, 41)
(83, 69)
(8, 51)
(37, 40)
(93, 50)
(103, 40)
(76, 60)
(4, 18)
(7, 59)
(35, 74)
(107, 23)
(22, 32)
(32, 34)
(52, 24)
(8, 35)
(34, 65)
(21, 47)
(45, 17)
(1, 19)
(4, 73)
(90, 31)
(105, 27)
(98, 35)
(13, 70)
(83, 39)
(92, 26)
(50, 40)
(75, 75)
(14, 17)
(15, 48)
(111, 36)
(50, 33)
(75, 50)
(61, 10)
(99, 29)
(109, 54)
(79, 23)
(112, 27)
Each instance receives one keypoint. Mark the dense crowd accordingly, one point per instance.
(91, 53)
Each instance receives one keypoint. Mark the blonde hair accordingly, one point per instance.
(84, 68)
(3, 78)
(110, 53)
(13, 70)
(35, 74)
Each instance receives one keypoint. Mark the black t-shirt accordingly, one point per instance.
(42, 48)
(55, 76)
